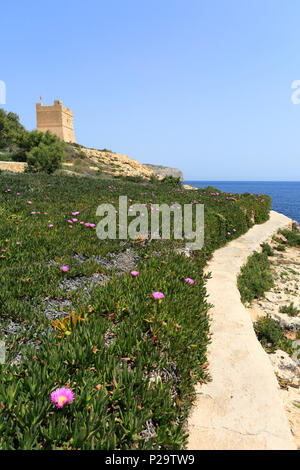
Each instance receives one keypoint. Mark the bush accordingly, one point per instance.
(255, 278)
(42, 151)
(292, 236)
(10, 129)
(267, 249)
(271, 335)
(171, 181)
(45, 158)
(291, 310)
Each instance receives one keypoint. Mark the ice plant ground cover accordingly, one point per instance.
(133, 361)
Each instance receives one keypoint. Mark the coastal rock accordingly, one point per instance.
(163, 171)
(189, 187)
(115, 164)
(286, 322)
(285, 367)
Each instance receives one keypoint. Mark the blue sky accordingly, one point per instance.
(202, 85)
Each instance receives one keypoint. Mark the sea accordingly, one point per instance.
(285, 195)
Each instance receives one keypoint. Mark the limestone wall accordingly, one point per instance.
(16, 167)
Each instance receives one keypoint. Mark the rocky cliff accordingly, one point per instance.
(162, 171)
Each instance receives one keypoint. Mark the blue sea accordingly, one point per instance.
(285, 195)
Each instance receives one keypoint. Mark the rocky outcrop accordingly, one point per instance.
(116, 164)
(163, 171)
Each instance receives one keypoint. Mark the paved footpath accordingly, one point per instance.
(241, 408)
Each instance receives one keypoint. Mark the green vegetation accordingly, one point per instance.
(10, 129)
(271, 335)
(172, 181)
(255, 278)
(291, 310)
(292, 237)
(131, 361)
(42, 151)
(280, 248)
(266, 248)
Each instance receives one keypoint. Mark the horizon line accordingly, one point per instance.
(245, 181)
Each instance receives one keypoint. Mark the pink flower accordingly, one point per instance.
(18, 243)
(75, 213)
(189, 280)
(61, 396)
(158, 295)
(74, 220)
(50, 225)
(228, 233)
(29, 202)
(134, 273)
(65, 268)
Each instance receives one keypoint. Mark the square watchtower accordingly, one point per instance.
(56, 119)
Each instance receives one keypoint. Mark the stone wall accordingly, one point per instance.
(56, 119)
(16, 167)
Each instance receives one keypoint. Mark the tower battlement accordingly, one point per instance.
(56, 119)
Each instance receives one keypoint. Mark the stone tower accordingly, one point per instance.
(56, 119)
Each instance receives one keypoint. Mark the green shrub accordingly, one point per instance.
(171, 181)
(280, 248)
(255, 278)
(45, 158)
(266, 248)
(5, 157)
(291, 310)
(10, 129)
(30, 140)
(292, 236)
(271, 335)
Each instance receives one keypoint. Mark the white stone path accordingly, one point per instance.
(241, 408)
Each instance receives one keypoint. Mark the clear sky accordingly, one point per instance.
(202, 85)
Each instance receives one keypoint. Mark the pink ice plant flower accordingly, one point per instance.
(65, 268)
(158, 295)
(61, 396)
(189, 280)
(134, 273)
(75, 213)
